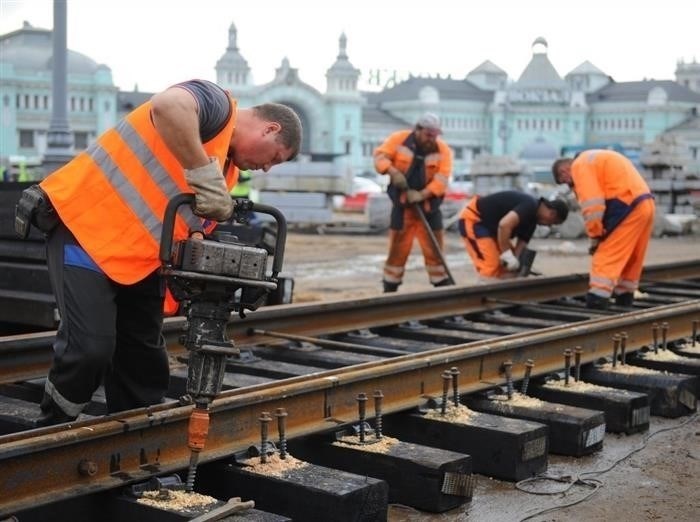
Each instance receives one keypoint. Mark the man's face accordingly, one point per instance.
(547, 216)
(564, 175)
(260, 148)
(427, 138)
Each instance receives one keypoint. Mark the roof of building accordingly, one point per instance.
(448, 89)
(639, 91)
(129, 100)
(540, 74)
(342, 63)
(586, 68)
(487, 67)
(232, 57)
(31, 48)
(371, 114)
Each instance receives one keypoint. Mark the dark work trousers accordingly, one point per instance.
(109, 333)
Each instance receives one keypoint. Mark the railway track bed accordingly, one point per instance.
(370, 371)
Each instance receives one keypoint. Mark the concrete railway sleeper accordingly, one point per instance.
(410, 394)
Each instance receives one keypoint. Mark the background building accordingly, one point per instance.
(531, 119)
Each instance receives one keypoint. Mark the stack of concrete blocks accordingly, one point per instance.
(303, 190)
(497, 173)
(665, 161)
(676, 189)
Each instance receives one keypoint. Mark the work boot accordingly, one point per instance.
(596, 302)
(625, 299)
(390, 287)
(444, 282)
(51, 414)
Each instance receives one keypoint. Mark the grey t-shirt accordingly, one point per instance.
(214, 106)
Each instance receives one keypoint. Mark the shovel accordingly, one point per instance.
(433, 240)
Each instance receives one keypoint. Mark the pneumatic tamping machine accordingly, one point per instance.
(213, 278)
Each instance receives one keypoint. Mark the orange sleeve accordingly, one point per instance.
(384, 154)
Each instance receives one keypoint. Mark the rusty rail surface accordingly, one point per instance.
(45, 465)
(24, 357)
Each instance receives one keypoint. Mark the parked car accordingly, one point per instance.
(460, 188)
(357, 199)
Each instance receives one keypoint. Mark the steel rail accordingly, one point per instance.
(135, 445)
(25, 357)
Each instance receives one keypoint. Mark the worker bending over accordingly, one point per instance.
(488, 224)
(618, 212)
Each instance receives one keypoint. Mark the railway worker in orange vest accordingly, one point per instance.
(103, 219)
(489, 223)
(419, 164)
(618, 212)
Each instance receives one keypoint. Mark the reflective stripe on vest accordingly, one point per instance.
(113, 196)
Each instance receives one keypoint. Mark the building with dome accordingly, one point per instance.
(25, 94)
(531, 118)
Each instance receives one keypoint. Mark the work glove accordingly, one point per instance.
(212, 199)
(414, 196)
(399, 180)
(509, 261)
(593, 245)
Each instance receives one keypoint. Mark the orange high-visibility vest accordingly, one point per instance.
(608, 187)
(112, 197)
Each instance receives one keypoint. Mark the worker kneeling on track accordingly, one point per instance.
(489, 223)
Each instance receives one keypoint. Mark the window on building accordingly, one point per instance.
(46, 102)
(348, 147)
(82, 104)
(641, 123)
(576, 126)
(26, 101)
(72, 104)
(80, 140)
(348, 123)
(91, 105)
(36, 101)
(459, 153)
(26, 139)
(6, 101)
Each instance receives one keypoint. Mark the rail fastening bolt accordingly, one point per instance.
(567, 366)
(623, 347)
(362, 409)
(664, 334)
(529, 364)
(281, 415)
(264, 421)
(577, 363)
(616, 348)
(508, 369)
(378, 396)
(454, 371)
(446, 379)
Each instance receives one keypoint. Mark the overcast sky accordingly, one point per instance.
(155, 43)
